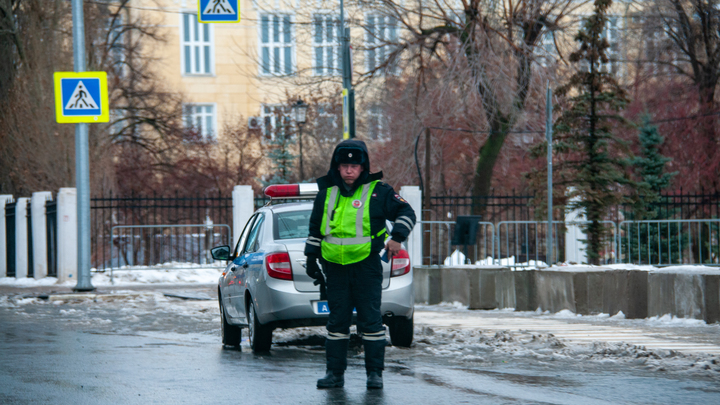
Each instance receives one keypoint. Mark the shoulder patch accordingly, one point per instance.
(397, 197)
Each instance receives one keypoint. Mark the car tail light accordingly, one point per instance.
(400, 264)
(278, 266)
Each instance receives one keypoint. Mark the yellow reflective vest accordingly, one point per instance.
(346, 225)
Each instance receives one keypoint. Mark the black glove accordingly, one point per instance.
(312, 269)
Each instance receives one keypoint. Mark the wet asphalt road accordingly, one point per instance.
(150, 349)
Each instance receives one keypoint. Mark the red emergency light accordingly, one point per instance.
(291, 190)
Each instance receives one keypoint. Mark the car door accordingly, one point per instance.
(232, 292)
(244, 261)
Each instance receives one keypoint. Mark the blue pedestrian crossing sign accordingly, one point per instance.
(81, 97)
(219, 11)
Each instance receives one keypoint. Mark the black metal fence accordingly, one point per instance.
(10, 238)
(497, 207)
(51, 236)
(109, 211)
(681, 205)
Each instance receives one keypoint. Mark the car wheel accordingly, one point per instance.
(401, 331)
(231, 334)
(260, 336)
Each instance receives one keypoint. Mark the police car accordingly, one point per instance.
(264, 285)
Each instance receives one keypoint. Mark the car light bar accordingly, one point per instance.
(291, 190)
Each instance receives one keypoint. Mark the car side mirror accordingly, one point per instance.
(220, 252)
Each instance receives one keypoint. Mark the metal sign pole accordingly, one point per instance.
(548, 134)
(82, 165)
(349, 93)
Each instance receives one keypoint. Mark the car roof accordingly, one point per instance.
(291, 206)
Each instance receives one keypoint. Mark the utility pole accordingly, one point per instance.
(548, 135)
(348, 92)
(82, 161)
(427, 214)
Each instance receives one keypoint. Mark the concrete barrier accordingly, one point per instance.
(555, 291)
(685, 294)
(637, 294)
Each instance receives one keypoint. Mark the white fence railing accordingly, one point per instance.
(524, 243)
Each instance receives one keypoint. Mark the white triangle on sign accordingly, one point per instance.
(219, 7)
(81, 99)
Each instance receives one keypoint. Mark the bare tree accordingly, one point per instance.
(485, 50)
(691, 36)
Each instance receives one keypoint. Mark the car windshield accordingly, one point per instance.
(292, 224)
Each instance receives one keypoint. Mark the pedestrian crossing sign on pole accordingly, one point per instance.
(81, 97)
(219, 11)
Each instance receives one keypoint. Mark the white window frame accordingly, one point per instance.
(116, 44)
(322, 113)
(200, 42)
(334, 68)
(376, 113)
(546, 48)
(269, 119)
(190, 119)
(374, 39)
(276, 49)
(612, 34)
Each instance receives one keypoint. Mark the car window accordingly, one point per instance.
(292, 224)
(243, 236)
(253, 238)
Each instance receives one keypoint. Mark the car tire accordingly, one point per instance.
(401, 331)
(231, 334)
(259, 335)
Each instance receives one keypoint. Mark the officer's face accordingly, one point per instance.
(349, 172)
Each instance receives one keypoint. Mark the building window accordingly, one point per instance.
(377, 123)
(612, 34)
(546, 49)
(380, 32)
(276, 121)
(276, 45)
(116, 44)
(326, 45)
(327, 122)
(197, 46)
(200, 119)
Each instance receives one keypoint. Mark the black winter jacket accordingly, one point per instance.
(385, 204)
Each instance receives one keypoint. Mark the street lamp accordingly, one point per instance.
(300, 112)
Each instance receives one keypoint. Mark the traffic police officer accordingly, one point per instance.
(347, 232)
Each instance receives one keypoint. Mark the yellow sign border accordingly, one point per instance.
(199, 16)
(75, 119)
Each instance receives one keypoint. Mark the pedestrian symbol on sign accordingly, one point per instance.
(219, 7)
(81, 99)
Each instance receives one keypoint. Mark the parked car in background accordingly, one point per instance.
(264, 285)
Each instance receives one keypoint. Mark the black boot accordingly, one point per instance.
(374, 379)
(333, 379)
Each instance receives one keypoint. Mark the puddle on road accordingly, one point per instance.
(532, 380)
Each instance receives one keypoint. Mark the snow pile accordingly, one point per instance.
(167, 273)
(472, 345)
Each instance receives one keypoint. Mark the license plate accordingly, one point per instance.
(321, 307)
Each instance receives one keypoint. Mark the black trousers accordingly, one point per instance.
(358, 286)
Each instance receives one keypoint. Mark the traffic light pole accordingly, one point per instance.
(82, 159)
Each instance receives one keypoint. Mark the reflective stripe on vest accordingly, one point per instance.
(345, 227)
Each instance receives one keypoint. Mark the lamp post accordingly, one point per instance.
(300, 111)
